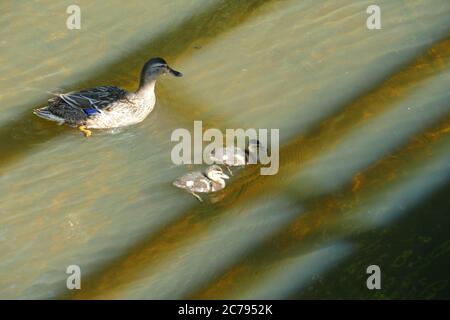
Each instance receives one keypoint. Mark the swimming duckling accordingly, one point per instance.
(108, 106)
(211, 180)
(232, 156)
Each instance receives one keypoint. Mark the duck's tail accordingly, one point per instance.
(46, 114)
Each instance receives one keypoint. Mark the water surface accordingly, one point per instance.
(364, 159)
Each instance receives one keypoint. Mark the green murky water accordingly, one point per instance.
(364, 160)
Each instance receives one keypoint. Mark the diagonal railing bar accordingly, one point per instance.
(324, 214)
(193, 222)
(20, 136)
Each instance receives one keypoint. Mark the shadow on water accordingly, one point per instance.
(322, 222)
(413, 258)
(18, 137)
(151, 249)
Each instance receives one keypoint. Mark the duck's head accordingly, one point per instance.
(216, 174)
(156, 67)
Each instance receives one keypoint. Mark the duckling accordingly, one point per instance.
(107, 106)
(232, 156)
(211, 180)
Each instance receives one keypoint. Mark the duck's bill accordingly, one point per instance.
(223, 175)
(175, 72)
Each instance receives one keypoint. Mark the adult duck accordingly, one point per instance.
(108, 106)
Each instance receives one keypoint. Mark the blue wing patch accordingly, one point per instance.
(90, 112)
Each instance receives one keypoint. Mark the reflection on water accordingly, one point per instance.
(363, 118)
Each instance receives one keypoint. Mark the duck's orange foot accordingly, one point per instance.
(87, 133)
